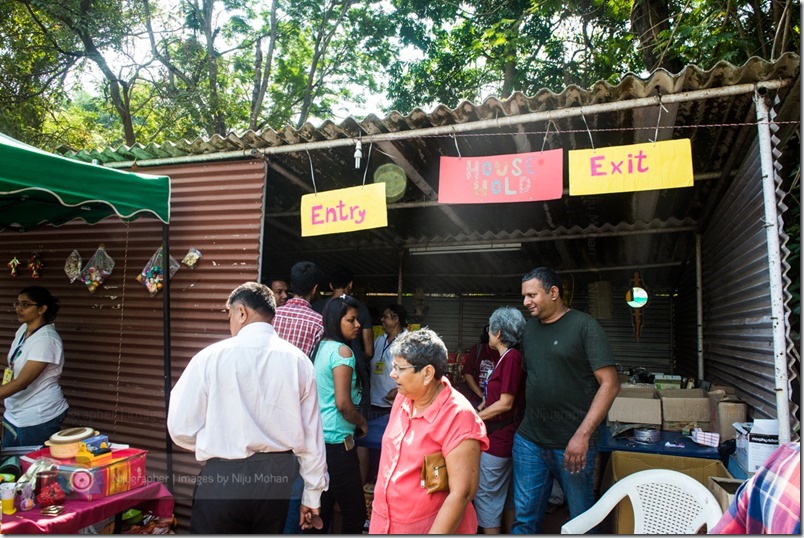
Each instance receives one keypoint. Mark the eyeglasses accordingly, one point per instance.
(18, 304)
(396, 368)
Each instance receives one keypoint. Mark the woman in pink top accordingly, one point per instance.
(428, 416)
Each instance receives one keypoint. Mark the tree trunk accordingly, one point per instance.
(648, 19)
(217, 122)
(261, 78)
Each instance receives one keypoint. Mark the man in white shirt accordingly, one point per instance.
(248, 407)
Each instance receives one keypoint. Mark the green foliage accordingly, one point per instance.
(205, 74)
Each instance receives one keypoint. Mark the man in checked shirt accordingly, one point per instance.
(303, 327)
(296, 321)
(770, 501)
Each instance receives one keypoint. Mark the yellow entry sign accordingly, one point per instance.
(344, 210)
(638, 167)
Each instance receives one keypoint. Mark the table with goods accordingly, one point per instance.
(81, 482)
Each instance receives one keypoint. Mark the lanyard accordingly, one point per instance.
(387, 345)
(18, 349)
(486, 382)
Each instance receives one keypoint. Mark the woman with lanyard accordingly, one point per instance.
(35, 405)
(383, 387)
(501, 410)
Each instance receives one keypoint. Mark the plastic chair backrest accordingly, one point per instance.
(664, 502)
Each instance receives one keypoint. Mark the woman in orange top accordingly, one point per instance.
(428, 416)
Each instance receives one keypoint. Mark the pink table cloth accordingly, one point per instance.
(77, 514)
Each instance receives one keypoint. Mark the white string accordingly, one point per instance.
(588, 130)
(312, 172)
(547, 132)
(368, 160)
(455, 138)
(658, 120)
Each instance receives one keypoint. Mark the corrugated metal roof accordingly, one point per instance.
(586, 235)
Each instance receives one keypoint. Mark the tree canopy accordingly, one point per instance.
(105, 72)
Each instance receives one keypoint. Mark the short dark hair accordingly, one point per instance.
(304, 276)
(42, 297)
(484, 336)
(547, 277)
(341, 277)
(334, 310)
(421, 348)
(401, 312)
(256, 296)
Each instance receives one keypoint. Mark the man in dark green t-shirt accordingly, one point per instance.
(571, 383)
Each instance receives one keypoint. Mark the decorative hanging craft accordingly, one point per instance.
(637, 297)
(97, 269)
(153, 274)
(191, 258)
(72, 266)
(13, 264)
(35, 265)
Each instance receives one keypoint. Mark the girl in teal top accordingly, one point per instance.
(338, 394)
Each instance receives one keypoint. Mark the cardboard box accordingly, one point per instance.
(736, 470)
(724, 489)
(622, 464)
(666, 382)
(756, 441)
(684, 405)
(123, 471)
(636, 405)
(686, 425)
(724, 410)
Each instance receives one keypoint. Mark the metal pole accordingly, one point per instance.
(166, 349)
(699, 304)
(399, 277)
(774, 268)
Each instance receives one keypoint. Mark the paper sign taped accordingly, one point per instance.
(518, 177)
(638, 167)
(344, 210)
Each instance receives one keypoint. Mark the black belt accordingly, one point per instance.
(253, 457)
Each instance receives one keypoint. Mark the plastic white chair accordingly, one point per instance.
(664, 502)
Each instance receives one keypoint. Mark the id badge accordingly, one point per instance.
(8, 375)
(379, 368)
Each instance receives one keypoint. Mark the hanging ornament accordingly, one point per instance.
(153, 274)
(13, 264)
(358, 153)
(72, 266)
(191, 258)
(35, 265)
(97, 269)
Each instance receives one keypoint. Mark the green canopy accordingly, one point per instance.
(38, 188)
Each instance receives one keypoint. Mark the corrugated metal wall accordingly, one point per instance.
(738, 340)
(460, 320)
(685, 325)
(114, 375)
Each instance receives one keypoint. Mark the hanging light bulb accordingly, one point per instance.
(358, 153)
